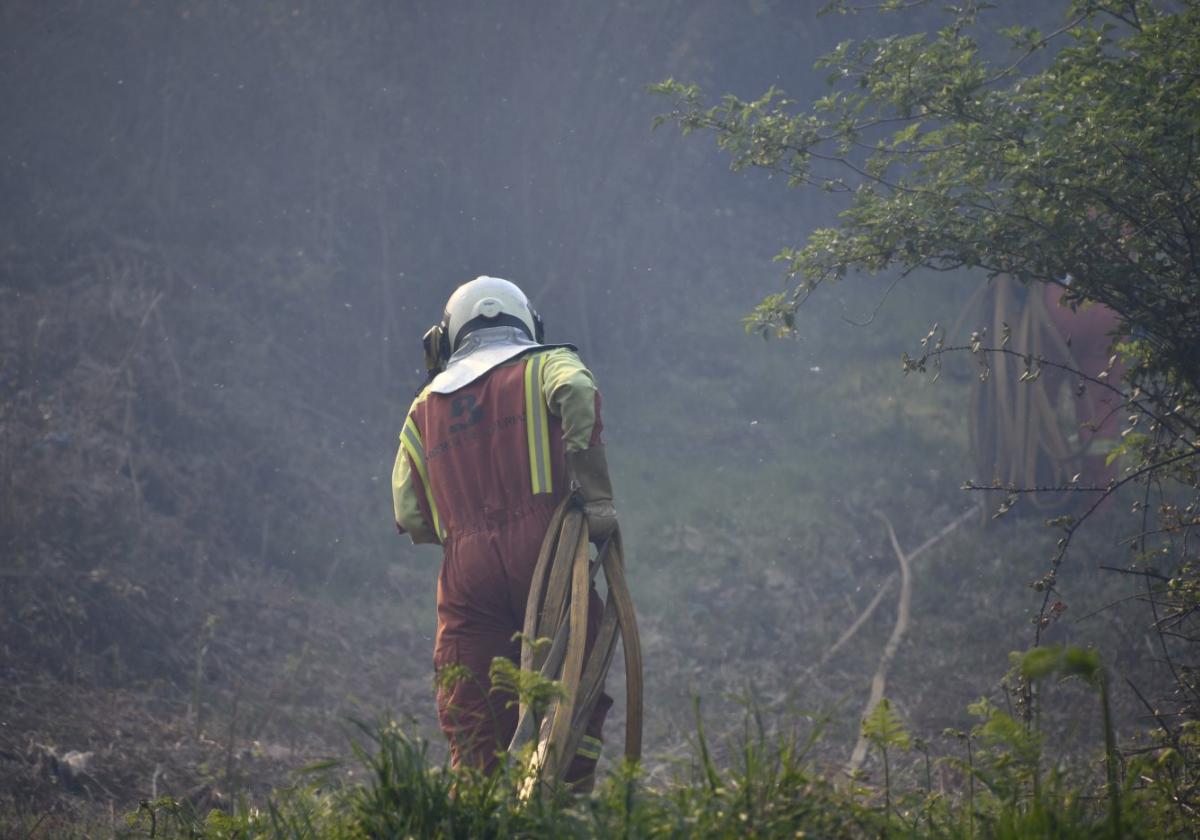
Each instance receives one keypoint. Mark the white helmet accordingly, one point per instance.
(494, 302)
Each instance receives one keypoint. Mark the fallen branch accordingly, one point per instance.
(860, 621)
(887, 584)
(901, 627)
(889, 650)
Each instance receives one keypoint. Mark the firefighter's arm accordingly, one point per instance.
(570, 392)
(407, 491)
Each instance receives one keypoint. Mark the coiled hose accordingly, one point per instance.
(1025, 433)
(557, 609)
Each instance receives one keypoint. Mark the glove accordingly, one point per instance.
(588, 469)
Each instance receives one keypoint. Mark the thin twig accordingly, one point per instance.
(133, 344)
(1153, 711)
(1137, 596)
(36, 825)
(1138, 572)
(883, 298)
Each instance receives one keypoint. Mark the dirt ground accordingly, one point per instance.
(227, 690)
(276, 680)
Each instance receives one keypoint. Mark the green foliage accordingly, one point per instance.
(768, 789)
(528, 687)
(884, 728)
(1170, 778)
(767, 786)
(1007, 755)
(406, 799)
(1039, 663)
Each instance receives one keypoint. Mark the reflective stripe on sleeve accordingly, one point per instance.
(410, 439)
(589, 747)
(537, 423)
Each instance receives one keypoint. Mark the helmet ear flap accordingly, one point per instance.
(436, 345)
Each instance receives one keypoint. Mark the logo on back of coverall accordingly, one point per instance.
(464, 406)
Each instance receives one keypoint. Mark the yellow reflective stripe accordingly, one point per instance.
(589, 747)
(410, 439)
(537, 425)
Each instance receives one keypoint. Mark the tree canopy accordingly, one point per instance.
(1066, 157)
(1082, 167)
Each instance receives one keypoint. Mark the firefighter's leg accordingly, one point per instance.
(581, 772)
(474, 627)
(476, 721)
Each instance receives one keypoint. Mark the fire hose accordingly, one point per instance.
(1022, 428)
(557, 609)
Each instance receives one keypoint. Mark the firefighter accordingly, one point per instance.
(503, 429)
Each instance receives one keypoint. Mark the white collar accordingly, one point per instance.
(481, 351)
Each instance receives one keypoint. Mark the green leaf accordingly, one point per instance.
(1078, 662)
(1040, 662)
(884, 728)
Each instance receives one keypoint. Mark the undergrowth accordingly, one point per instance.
(1002, 784)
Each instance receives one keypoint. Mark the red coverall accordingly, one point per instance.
(1091, 331)
(474, 495)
